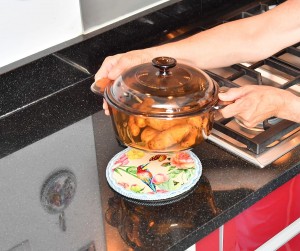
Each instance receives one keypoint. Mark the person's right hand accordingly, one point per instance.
(255, 103)
(113, 66)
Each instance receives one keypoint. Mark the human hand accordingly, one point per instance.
(253, 104)
(113, 66)
(105, 107)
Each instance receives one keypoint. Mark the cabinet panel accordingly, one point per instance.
(209, 243)
(263, 220)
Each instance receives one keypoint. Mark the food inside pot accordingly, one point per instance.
(161, 106)
(161, 134)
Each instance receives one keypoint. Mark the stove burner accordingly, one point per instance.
(260, 127)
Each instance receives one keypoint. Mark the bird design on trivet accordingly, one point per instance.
(146, 176)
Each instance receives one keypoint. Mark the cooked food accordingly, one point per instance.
(161, 134)
(163, 124)
(133, 128)
(169, 137)
(140, 122)
(145, 106)
(195, 121)
(190, 139)
(148, 134)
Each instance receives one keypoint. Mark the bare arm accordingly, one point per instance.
(244, 40)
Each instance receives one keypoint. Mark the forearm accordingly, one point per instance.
(245, 40)
(217, 47)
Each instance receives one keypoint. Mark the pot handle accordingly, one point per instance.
(221, 104)
(98, 87)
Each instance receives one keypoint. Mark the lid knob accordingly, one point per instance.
(164, 64)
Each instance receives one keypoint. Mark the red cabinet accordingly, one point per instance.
(209, 243)
(260, 222)
(264, 219)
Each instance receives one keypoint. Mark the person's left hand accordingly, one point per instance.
(253, 104)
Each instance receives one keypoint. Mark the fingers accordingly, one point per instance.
(112, 67)
(232, 109)
(253, 104)
(107, 65)
(102, 83)
(240, 102)
(244, 111)
(234, 93)
(128, 60)
(105, 107)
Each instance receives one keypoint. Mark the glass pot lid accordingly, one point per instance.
(162, 88)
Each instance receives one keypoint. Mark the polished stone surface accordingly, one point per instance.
(50, 119)
(48, 115)
(227, 187)
(35, 81)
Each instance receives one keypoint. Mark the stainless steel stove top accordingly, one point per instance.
(268, 142)
(274, 137)
(262, 159)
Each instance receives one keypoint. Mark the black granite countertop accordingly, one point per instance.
(227, 187)
(50, 118)
(51, 82)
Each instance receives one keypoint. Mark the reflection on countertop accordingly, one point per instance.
(146, 227)
(227, 186)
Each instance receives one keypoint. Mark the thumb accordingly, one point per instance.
(232, 94)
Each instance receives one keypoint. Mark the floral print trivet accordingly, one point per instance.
(153, 176)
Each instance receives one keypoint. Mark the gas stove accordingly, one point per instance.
(274, 137)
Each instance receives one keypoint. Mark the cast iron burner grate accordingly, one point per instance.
(271, 132)
(290, 69)
(279, 70)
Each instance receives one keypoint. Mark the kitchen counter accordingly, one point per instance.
(53, 122)
(227, 187)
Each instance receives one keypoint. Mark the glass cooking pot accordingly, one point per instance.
(161, 106)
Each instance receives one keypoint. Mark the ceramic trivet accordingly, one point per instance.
(149, 176)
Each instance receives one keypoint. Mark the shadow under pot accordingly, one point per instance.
(161, 106)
